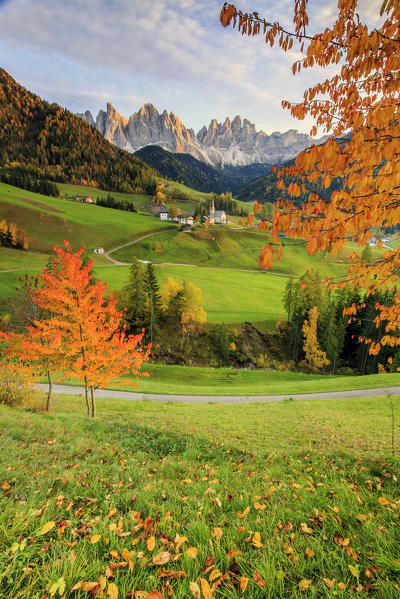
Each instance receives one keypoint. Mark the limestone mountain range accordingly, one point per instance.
(235, 142)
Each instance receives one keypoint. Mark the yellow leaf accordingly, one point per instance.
(259, 506)
(362, 517)
(304, 584)
(114, 553)
(214, 574)
(151, 543)
(346, 541)
(256, 541)
(352, 570)
(112, 591)
(192, 552)
(244, 513)
(205, 587)
(194, 587)
(243, 583)
(95, 539)
(161, 558)
(48, 526)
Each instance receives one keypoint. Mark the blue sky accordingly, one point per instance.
(173, 53)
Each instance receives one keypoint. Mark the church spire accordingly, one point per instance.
(212, 209)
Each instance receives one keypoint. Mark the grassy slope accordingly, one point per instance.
(79, 223)
(233, 247)
(195, 470)
(228, 296)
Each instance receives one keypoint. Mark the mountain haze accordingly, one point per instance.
(234, 143)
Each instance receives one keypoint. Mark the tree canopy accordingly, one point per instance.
(358, 107)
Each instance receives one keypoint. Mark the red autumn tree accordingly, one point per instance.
(358, 107)
(93, 345)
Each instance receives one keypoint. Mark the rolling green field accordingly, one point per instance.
(228, 296)
(252, 501)
(51, 220)
(232, 247)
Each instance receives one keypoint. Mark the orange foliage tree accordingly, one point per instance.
(358, 107)
(93, 344)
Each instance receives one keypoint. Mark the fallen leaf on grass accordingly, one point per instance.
(381, 500)
(161, 558)
(362, 517)
(329, 583)
(243, 583)
(5, 485)
(306, 529)
(352, 570)
(205, 587)
(192, 552)
(243, 514)
(217, 533)
(194, 587)
(95, 539)
(47, 527)
(304, 584)
(256, 540)
(309, 552)
(154, 595)
(112, 591)
(214, 574)
(259, 580)
(151, 543)
(171, 574)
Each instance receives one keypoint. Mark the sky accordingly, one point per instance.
(172, 53)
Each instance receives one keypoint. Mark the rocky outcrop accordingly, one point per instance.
(233, 142)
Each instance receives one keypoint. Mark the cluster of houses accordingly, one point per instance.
(187, 220)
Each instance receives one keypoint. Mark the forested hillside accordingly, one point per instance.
(39, 140)
(184, 168)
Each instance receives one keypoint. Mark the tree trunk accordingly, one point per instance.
(87, 397)
(93, 402)
(50, 391)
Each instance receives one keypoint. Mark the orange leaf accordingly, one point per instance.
(259, 580)
(192, 552)
(243, 583)
(205, 587)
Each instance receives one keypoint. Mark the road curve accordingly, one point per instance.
(238, 399)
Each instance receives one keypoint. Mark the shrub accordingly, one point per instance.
(16, 387)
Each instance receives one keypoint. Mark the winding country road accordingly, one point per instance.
(237, 399)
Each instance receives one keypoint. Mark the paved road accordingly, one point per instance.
(132, 396)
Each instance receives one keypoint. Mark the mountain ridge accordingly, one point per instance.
(231, 143)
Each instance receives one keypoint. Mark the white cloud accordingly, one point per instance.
(173, 53)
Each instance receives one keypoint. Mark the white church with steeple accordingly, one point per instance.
(216, 216)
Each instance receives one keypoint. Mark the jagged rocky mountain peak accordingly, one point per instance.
(231, 142)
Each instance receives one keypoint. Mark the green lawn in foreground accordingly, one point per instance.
(312, 478)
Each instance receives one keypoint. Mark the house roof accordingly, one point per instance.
(219, 212)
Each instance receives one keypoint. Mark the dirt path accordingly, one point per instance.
(239, 399)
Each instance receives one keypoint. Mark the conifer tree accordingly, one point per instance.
(135, 297)
(154, 304)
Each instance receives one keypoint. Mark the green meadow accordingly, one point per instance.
(51, 220)
(296, 499)
(195, 380)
